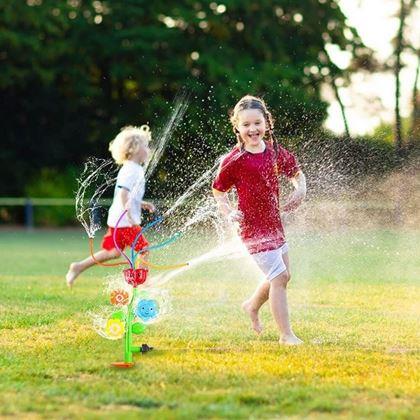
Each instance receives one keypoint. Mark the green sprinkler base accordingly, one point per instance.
(144, 348)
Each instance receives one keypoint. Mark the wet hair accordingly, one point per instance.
(252, 102)
(127, 142)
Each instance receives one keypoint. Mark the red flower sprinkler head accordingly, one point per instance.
(135, 276)
(119, 297)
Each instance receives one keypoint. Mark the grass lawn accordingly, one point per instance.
(354, 299)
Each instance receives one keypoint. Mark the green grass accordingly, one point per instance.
(354, 300)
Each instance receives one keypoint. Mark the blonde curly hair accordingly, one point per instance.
(127, 142)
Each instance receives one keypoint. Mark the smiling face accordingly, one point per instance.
(147, 309)
(252, 126)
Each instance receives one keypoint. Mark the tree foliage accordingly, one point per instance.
(73, 72)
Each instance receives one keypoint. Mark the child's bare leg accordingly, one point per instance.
(279, 307)
(252, 305)
(77, 268)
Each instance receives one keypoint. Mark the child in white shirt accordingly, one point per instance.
(130, 149)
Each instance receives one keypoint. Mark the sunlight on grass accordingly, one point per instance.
(360, 358)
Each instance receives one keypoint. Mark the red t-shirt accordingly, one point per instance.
(255, 177)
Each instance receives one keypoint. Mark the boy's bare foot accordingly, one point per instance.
(290, 340)
(72, 274)
(253, 314)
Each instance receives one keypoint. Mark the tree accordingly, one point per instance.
(397, 71)
(401, 44)
(414, 133)
(72, 73)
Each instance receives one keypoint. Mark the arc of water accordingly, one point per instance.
(231, 249)
(161, 267)
(190, 191)
(81, 210)
(180, 107)
(205, 177)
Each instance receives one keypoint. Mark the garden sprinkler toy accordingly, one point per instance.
(135, 305)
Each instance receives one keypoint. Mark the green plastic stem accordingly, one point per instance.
(128, 338)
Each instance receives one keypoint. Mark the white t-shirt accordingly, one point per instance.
(130, 178)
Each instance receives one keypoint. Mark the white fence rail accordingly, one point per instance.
(29, 203)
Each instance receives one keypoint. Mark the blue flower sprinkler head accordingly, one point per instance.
(147, 309)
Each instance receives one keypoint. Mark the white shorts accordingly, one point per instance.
(271, 262)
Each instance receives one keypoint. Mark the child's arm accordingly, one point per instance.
(225, 208)
(147, 205)
(125, 198)
(297, 196)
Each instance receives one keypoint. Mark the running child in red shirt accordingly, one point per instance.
(130, 149)
(253, 168)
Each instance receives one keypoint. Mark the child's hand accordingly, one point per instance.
(297, 196)
(235, 216)
(293, 201)
(148, 206)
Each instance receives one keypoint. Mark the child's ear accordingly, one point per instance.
(236, 130)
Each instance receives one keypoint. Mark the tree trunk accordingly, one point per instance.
(342, 107)
(397, 71)
(414, 134)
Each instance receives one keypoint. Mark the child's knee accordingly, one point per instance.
(281, 280)
(114, 253)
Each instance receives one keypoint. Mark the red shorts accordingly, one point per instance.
(125, 237)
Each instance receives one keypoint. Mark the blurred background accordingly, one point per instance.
(340, 76)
